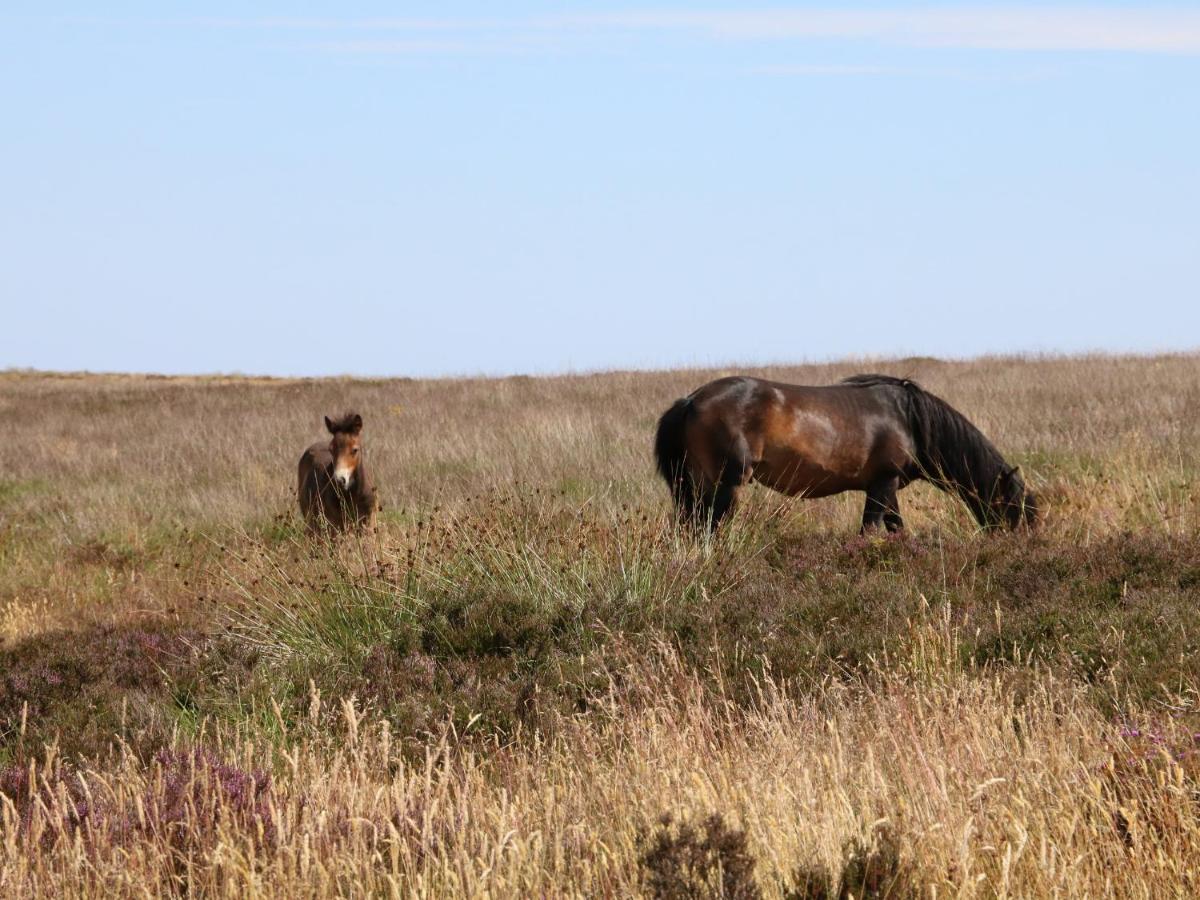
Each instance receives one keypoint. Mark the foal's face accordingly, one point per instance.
(346, 448)
(346, 451)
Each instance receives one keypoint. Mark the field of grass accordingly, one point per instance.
(526, 682)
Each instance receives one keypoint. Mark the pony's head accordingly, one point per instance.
(346, 447)
(1014, 504)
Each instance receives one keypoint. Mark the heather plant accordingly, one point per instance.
(682, 861)
(873, 869)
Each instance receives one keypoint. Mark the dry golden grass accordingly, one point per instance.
(973, 790)
(525, 669)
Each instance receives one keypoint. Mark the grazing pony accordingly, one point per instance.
(334, 486)
(872, 433)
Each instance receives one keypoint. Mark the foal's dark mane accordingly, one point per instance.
(343, 425)
(950, 451)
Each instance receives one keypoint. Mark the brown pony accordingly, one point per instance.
(872, 433)
(334, 486)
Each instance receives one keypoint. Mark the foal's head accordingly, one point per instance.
(1015, 503)
(346, 447)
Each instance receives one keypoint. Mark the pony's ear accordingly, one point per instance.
(329, 425)
(356, 424)
(1011, 473)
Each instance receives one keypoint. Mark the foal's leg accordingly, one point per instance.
(881, 507)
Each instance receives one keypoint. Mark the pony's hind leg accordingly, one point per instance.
(882, 507)
(714, 502)
(736, 472)
(724, 499)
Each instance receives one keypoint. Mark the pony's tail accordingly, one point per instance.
(670, 450)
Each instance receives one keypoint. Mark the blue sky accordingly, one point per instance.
(459, 188)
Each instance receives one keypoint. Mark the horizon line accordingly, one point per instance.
(1031, 356)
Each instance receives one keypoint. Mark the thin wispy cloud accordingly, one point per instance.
(1077, 28)
(299, 23)
(1000, 28)
(822, 69)
(449, 44)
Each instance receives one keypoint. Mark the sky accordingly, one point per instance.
(482, 188)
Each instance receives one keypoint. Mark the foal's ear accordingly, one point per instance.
(1011, 473)
(329, 425)
(356, 424)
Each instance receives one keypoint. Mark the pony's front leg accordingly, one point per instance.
(882, 507)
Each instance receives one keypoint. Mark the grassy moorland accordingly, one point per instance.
(526, 682)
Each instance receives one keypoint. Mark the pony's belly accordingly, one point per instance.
(800, 477)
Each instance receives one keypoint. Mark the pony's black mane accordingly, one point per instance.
(871, 379)
(950, 451)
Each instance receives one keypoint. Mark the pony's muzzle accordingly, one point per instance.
(343, 477)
